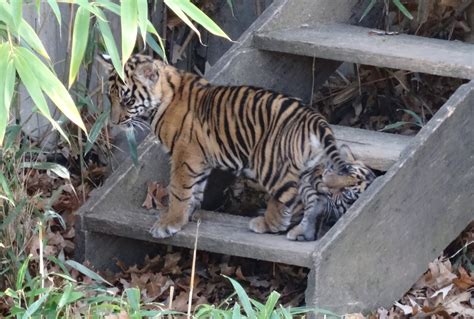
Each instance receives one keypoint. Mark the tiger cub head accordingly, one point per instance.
(139, 94)
(357, 176)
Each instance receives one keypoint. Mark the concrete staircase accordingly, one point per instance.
(385, 241)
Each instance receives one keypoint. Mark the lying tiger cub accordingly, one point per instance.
(332, 199)
(270, 137)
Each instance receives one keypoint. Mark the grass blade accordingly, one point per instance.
(133, 297)
(21, 273)
(367, 9)
(243, 297)
(86, 271)
(270, 304)
(35, 306)
(417, 118)
(403, 9)
(129, 24)
(394, 126)
(79, 42)
(57, 169)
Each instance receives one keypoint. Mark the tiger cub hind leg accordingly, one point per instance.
(187, 183)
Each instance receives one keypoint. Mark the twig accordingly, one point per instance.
(170, 305)
(193, 270)
(41, 263)
(456, 253)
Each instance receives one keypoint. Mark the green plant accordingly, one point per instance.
(397, 3)
(417, 120)
(25, 60)
(251, 308)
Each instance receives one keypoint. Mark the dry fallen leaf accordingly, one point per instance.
(156, 197)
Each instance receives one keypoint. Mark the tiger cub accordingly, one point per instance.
(333, 198)
(269, 137)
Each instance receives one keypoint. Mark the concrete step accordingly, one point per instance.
(343, 42)
(115, 209)
(218, 232)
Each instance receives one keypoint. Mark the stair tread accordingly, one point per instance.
(218, 232)
(356, 44)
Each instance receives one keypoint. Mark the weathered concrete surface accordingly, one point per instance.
(243, 64)
(355, 44)
(379, 248)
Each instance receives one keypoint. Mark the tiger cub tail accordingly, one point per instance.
(325, 136)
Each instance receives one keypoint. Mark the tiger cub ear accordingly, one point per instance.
(347, 153)
(106, 61)
(148, 72)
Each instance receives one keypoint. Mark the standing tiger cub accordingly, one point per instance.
(269, 137)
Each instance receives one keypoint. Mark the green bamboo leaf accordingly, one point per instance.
(21, 274)
(5, 15)
(91, 8)
(403, 9)
(230, 3)
(151, 29)
(55, 8)
(79, 42)
(129, 24)
(200, 17)
(109, 42)
(31, 37)
(17, 11)
(10, 80)
(243, 297)
(86, 271)
(175, 6)
(53, 87)
(57, 169)
(142, 6)
(109, 5)
(132, 145)
(4, 108)
(32, 85)
(95, 131)
(154, 46)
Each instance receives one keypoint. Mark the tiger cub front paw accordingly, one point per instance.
(258, 225)
(166, 226)
(301, 233)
